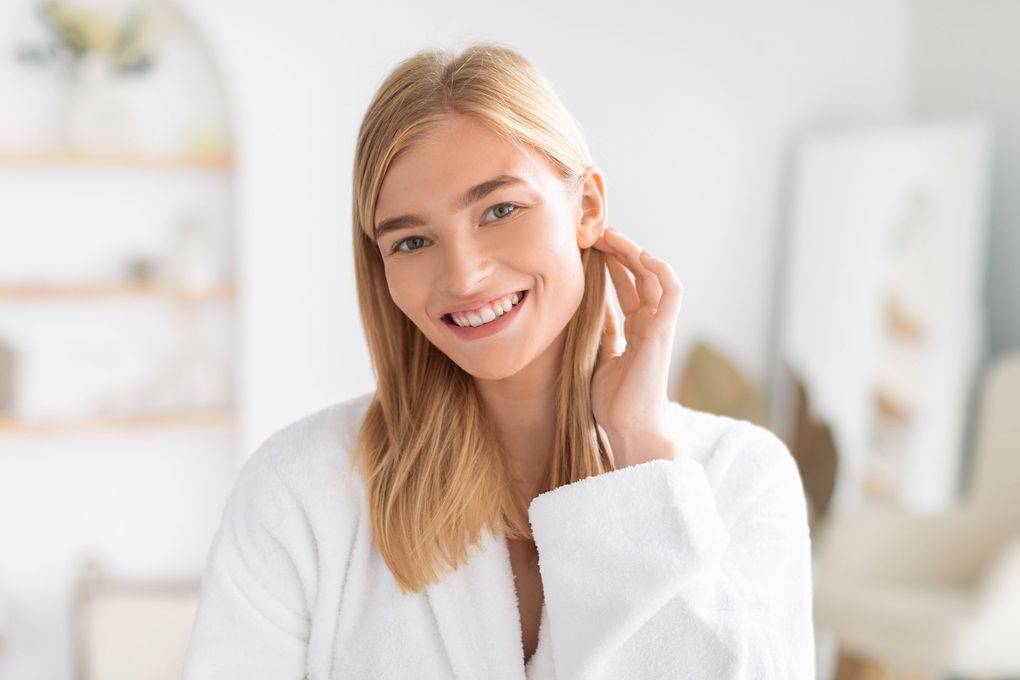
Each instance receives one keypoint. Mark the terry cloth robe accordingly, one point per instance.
(697, 567)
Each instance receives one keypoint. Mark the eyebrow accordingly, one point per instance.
(472, 195)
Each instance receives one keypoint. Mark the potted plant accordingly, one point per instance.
(97, 51)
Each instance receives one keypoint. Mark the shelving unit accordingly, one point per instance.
(119, 343)
(23, 294)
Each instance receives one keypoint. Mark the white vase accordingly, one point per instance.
(97, 115)
(190, 262)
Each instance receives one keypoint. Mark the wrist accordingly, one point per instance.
(633, 449)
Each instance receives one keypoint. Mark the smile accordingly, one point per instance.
(498, 320)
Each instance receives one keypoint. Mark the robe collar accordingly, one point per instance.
(476, 610)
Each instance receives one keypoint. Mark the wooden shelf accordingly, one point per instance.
(193, 420)
(115, 159)
(40, 292)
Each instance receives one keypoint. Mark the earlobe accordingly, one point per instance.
(589, 235)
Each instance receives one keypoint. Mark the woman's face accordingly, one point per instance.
(471, 241)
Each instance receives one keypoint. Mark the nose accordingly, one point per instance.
(466, 267)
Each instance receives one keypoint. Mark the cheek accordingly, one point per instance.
(565, 282)
(404, 296)
(546, 240)
(573, 286)
(548, 247)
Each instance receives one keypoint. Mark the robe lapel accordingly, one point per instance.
(476, 611)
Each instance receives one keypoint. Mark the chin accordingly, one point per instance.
(488, 372)
(483, 370)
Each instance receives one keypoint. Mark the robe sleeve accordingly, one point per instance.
(649, 572)
(252, 619)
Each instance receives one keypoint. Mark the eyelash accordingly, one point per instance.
(396, 246)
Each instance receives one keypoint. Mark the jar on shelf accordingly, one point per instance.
(191, 261)
(97, 116)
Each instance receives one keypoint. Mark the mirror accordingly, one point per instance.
(883, 320)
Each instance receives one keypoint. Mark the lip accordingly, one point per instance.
(491, 328)
(478, 302)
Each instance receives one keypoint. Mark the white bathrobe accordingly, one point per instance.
(697, 567)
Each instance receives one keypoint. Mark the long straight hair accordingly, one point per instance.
(434, 473)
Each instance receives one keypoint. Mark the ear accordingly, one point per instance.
(592, 207)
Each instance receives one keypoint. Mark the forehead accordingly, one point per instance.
(458, 153)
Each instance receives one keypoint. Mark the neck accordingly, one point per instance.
(522, 409)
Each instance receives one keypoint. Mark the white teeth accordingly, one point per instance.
(486, 314)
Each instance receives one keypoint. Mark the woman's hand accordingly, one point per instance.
(628, 390)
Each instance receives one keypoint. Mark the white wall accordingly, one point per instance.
(688, 108)
(967, 60)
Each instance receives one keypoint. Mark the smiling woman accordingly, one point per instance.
(452, 251)
(398, 534)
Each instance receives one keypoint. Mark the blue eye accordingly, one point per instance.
(396, 246)
(503, 205)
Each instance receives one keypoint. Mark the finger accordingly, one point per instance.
(628, 252)
(672, 288)
(624, 285)
(616, 328)
(609, 346)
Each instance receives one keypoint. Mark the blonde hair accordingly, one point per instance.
(434, 473)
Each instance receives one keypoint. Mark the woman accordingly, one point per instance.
(517, 498)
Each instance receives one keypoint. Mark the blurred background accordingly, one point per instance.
(834, 183)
